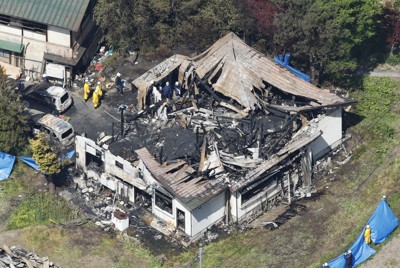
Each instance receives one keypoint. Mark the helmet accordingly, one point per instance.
(367, 226)
(176, 83)
(98, 83)
(326, 264)
(349, 251)
(167, 84)
(151, 82)
(118, 74)
(44, 75)
(86, 80)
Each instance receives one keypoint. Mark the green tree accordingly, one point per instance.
(13, 124)
(327, 34)
(151, 24)
(45, 155)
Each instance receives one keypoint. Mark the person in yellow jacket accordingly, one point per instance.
(86, 90)
(367, 235)
(96, 98)
(99, 89)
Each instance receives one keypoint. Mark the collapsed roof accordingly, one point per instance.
(238, 72)
(200, 148)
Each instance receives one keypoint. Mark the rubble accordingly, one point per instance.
(20, 258)
(226, 149)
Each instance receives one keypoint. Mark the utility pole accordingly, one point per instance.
(289, 179)
(201, 256)
(121, 109)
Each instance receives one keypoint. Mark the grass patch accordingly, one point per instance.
(86, 246)
(132, 250)
(393, 59)
(41, 208)
(17, 183)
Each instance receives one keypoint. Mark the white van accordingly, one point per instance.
(58, 129)
(45, 98)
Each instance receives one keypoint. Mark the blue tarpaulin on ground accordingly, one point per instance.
(382, 222)
(30, 162)
(360, 250)
(284, 61)
(6, 165)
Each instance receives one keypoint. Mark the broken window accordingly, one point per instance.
(163, 202)
(261, 186)
(142, 198)
(180, 219)
(119, 164)
(93, 161)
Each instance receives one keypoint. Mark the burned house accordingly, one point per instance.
(243, 135)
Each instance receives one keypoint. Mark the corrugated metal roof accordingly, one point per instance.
(66, 14)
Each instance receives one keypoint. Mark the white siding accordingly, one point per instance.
(331, 126)
(10, 30)
(34, 35)
(128, 173)
(208, 214)
(188, 216)
(257, 203)
(58, 36)
(10, 37)
(168, 218)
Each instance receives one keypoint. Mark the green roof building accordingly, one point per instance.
(54, 37)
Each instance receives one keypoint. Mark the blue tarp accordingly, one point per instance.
(360, 250)
(284, 61)
(382, 222)
(337, 262)
(70, 154)
(30, 162)
(6, 165)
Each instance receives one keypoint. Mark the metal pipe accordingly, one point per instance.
(122, 123)
(112, 131)
(161, 155)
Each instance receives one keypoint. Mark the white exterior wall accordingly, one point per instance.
(167, 217)
(35, 44)
(109, 182)
(83, 145)
(129, 173)
(208, 214)
(331, 126)
(34, 35)
(176, 204)
(239, 211)
(58, 36)
(10, 30)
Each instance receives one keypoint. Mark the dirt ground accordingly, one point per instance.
(388, 257)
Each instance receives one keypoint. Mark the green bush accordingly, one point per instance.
(41, 208)
(393, 59)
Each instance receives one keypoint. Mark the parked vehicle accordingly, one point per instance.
(46, 98)
(58, 129)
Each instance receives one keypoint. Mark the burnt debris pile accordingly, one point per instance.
(19, 257)
(228, 123)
